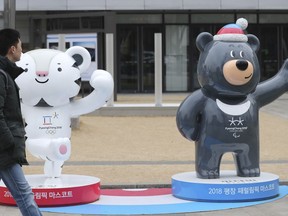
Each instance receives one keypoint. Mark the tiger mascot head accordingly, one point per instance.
(51, 77)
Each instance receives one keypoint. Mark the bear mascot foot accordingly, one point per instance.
(252, 172)
(208, 174)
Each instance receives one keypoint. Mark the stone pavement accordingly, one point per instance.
(148, 168)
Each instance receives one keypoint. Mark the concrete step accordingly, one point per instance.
(137, 110)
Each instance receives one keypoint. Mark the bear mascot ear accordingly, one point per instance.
(254, 42)
(81, 56)
(202, 40)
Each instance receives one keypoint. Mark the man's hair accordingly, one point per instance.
(8, 38)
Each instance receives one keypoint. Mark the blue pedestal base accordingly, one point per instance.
(228, 188)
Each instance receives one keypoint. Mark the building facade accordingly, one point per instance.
(133, 24)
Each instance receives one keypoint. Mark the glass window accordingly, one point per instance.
(176, 18)
(284, 41)
(92, 22)
(136, 57)
(273, 18)
(70, 23)
(212, 18)
(194, 55)
(139, 18)
(269, 51)
(147, 54)
(128, 54)
(252, 18)
(176, 77)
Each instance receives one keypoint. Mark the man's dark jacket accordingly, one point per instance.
(12, 134)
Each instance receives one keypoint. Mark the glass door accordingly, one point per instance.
(269, 61)
(176, 58)
(284, 44)
(128, 58)
(136, 58)
(147, 54)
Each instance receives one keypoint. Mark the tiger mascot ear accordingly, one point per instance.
(81, 56)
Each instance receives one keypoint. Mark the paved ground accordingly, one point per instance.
(149, 150)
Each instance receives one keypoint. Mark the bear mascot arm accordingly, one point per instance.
(189, 115)
(271, 89)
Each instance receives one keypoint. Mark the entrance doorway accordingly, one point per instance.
(135, 47)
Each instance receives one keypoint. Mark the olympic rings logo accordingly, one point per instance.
(50, 132)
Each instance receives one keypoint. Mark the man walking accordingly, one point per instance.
(12, 134)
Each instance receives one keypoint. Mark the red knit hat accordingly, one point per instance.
(233, 32)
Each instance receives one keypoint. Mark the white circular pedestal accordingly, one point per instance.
(228, 188)
(65, 190)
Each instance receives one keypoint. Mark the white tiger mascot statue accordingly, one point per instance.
(47, 90)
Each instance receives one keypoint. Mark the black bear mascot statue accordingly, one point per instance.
(223, 115)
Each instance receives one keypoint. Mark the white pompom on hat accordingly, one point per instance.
(233, 32)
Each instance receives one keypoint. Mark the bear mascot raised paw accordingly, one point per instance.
(223, 115)
(48, 89)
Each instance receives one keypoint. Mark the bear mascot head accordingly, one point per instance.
(228, 65)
